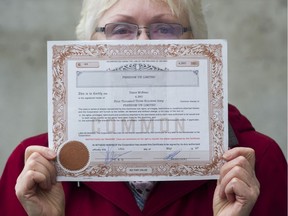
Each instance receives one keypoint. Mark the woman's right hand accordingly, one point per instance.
(36, 186)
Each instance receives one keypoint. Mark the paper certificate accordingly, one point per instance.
(137, 110)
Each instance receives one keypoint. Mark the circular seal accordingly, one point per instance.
(73, 156)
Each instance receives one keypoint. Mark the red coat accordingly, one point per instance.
(167, 198)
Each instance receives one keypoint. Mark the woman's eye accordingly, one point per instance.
(164, 29)
(121, 30)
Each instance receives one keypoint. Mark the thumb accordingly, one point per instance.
(47, 153)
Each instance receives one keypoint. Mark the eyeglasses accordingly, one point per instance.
(129, 31)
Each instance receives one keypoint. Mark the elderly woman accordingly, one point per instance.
(257, 160)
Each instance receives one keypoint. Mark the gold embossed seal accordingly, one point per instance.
(73, 156)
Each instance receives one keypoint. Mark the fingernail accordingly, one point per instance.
(219, 181)
(51, 153)
(226, 155)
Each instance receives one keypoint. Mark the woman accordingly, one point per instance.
(237, 192)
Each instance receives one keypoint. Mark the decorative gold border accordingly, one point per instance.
(213, 53)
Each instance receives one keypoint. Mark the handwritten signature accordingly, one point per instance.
(172, 155)
(112, 155)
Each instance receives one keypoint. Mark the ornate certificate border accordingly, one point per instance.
(213, 52)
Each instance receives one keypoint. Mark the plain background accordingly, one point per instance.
(256, 31)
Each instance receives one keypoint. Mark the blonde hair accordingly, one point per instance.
(92, 10)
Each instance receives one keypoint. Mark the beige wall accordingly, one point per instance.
(256, 31)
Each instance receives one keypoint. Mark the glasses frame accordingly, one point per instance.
(147, 28)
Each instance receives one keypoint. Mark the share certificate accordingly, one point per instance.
(137, 110)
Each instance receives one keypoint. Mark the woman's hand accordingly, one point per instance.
(237, 188)
(36, 186)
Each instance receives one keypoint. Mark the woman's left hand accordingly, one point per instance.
(237, 188)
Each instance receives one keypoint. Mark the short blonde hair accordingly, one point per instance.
(92, 10)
